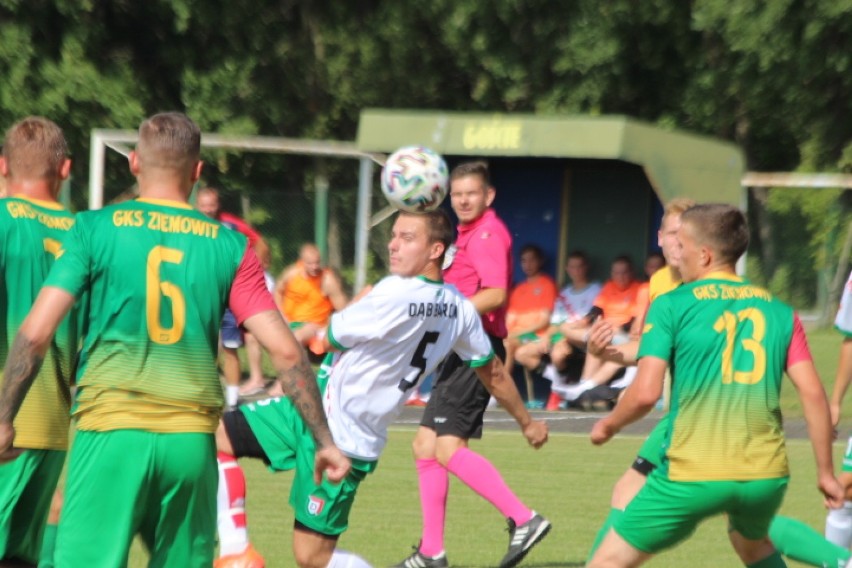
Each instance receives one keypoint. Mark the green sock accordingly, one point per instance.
(613, 516)
(798, 541)
(48, 545)
(774, 560)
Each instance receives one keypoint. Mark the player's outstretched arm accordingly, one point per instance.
(299, 383)
(599, 345)
(821, 432)
(637, 401)
(498, 382)
(25, 358)
(841, 382)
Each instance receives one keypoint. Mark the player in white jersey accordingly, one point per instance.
(385, 343)
(838, 523)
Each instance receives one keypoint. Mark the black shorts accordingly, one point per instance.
(243, 440)
(458, 400)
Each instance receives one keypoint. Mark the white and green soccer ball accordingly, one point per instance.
(415, 179)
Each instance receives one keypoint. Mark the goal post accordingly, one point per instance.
(122, 141)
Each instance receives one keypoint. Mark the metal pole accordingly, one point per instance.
(96, 172)
(362, 224)
(321, 209)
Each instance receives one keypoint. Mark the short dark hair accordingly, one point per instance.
(475, 168)
(721, 227)
(577, 253)
(440, 227)
(169, 140)
(625, 259)
(535, 249)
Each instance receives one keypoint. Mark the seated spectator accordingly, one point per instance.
(530, 303)
(574, 302)
(307, 294)
(617, 304)
(653, 262)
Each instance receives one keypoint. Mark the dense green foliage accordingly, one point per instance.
(772, 76)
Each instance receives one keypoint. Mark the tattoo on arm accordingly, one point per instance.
(300, 384)
(21, 369)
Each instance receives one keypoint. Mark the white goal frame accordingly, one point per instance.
(122, 141)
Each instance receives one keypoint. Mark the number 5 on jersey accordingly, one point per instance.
(418, 360)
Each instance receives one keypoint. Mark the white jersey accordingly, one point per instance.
(389, 340)
(843, 321)
(572, 304)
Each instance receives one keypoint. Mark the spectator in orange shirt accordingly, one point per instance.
(617, 304)
(307, 293)
(530, 303)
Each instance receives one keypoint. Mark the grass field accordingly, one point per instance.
(569, 481)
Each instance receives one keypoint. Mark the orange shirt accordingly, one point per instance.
(619, 306)
(304, 300)
(536, 294)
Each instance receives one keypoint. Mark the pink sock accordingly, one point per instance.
(434, 485)
(477, 473)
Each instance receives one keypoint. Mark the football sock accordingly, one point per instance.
(614, 515)
(550, 373)
(838, 525)
(798, 541)
(480, 475)
(48, 545)
(346, 559)
(774, 560)
(230, 505)
(434, 485)
(232, 394)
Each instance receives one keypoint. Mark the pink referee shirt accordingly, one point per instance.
(483, 259)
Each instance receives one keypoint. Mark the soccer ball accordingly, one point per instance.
(414, 179)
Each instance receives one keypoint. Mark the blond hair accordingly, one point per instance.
(34, 148)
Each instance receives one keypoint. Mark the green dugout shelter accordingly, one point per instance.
(572, 182)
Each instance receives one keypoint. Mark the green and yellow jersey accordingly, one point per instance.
(31, 233)
(159, 275)
(727, 344)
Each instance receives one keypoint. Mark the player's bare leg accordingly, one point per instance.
(615, 552)
(254, 353)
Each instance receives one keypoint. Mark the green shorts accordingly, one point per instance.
(665, 512)
(652, 451)
(124, 482)
(847, 457)
(26, 488)
(288, 444)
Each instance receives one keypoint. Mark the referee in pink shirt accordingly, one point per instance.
(480, 266)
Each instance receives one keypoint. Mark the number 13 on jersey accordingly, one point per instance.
(729, 324)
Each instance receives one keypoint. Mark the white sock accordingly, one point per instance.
(345, 559)
(838, 525)
(626, 379)
(233, 539)
(232, 394)
(573, 392)
(550, 373)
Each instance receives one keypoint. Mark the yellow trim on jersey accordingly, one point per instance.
(107, 409)
(55, 205)
(719, 275)
(662, 281)
(165, 202)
